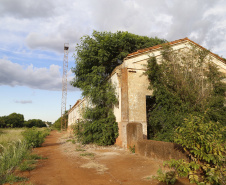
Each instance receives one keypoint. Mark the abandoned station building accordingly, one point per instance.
(132, 88)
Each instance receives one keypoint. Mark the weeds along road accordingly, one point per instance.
(74, 164)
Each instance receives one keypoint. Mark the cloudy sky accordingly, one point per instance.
(33, 33)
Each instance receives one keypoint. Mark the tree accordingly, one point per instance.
(100, 53)
(97, 56)
(34, 123)
(184, 82)
(3, 122)
(14, 120)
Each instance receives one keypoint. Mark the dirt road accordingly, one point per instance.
(73, 164)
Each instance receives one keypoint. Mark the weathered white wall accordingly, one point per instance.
(137, 92)
(75, 113)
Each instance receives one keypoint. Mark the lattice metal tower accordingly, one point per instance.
(64, 87)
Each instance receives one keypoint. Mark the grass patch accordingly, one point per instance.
(10, 157)
(73, 141)
(16, 154)
(12, 179)
(27, 165)
(10, 135)
(80, 150)
(35, 157)
(87, 154)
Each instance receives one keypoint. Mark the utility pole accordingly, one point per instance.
(64, 87)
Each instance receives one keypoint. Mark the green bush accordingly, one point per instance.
(167, 177)
(99, 130)
(34, 138)
(204, 143)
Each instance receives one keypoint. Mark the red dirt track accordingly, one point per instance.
(106, 166)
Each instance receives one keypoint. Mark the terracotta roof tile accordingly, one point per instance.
(171, 43)
(155, 47)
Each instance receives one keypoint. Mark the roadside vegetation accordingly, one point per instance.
(15, 151)
(188, 108)
(203, 142)
(57, 124)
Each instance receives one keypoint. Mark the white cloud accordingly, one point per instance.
(23, 101)
(38, 41)
(54, 42)
(47, 25)
(27, 8)
(14, 74)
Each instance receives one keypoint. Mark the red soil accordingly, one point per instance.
(104, 166)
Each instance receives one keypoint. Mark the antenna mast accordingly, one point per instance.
(64, 87)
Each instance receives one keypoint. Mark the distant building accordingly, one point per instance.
(132, 87)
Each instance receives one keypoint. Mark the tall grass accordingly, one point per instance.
(14, 150)
(10, 157)
(10, 135)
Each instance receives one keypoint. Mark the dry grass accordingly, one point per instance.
(9, 135)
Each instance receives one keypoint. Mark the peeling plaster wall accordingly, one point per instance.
(137, 92)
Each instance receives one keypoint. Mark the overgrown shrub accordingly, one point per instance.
(99, 123)
(183, 82)
(34, 137)
(101, 131)
(203, 141)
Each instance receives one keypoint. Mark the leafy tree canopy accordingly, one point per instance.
(34, 123)
(97, 56)
(14, 120)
